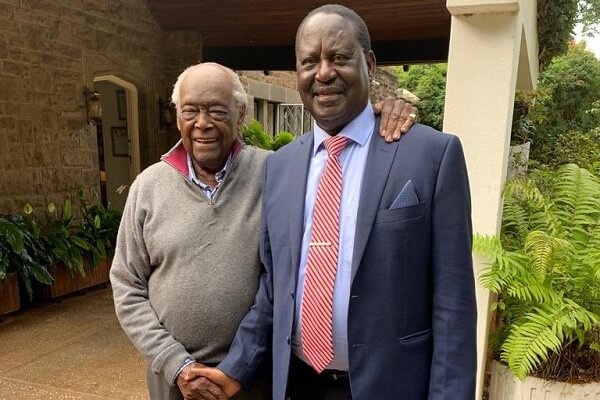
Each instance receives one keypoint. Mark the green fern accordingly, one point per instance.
(545, 266)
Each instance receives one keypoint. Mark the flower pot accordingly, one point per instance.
(9, 294)
(504, 386)
(65, 282)
(98, 275)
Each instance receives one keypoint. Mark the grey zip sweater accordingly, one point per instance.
(186, 269)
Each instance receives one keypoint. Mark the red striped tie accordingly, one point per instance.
(321, 265)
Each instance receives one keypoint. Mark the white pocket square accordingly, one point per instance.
(406, 198)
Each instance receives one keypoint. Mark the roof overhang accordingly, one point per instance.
(260, 34)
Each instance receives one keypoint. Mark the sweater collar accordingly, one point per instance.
(177, 157)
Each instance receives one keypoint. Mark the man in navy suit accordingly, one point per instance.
(401, 323)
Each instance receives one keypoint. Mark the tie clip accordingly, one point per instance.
(319, 244)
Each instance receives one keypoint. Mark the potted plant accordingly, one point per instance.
(59, 233)
(545, 269)
(99, 227)
(22, 257)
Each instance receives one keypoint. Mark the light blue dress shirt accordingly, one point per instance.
(353, 159)
(208, 191)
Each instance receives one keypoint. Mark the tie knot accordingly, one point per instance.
(335, 145)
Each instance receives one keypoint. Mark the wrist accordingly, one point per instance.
(187, 362)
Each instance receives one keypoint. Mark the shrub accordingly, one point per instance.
(546, 270)
(22, 251)
(254, 135)
(281, 139)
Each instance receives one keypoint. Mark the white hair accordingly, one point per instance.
(239, 94)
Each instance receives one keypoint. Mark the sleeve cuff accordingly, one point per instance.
(169, 361)
(187, 362)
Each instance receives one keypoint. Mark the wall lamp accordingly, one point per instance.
(93, 106)
(165, 111)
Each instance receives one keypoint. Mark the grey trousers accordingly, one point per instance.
(159, 389)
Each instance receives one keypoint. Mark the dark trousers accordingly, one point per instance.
(306, 384)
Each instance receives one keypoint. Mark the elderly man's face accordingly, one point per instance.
(208, 117)
(332, 71)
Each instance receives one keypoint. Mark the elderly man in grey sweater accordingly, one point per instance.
(186, 266)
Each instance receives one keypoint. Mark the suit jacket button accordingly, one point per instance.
(292, 295)
(288, 340)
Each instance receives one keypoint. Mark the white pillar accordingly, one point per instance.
(483, 64)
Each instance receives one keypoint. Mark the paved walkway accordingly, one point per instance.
(74, 349)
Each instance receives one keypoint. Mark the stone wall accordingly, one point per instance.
(385, 81)
(50, 51)
(385, 84)
(286, 79)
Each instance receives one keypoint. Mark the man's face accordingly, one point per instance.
(207, 139)
(332, 71)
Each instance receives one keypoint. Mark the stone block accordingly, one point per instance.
(45, 178)
(23, 55)
(60, 61)
(68, 180)
(35, 17)
(16, 69)
(17, 163)
(35, 98)
(72, 89)
(29, 159)
(9, 88)
(12, 135)
(6, 204)
(3, 47)
(11, 109)
(8, 10)
(16, 182)
(16, 150)
(41, 79)
(36, 36)
(26, 132)
(70, 136)
(8, 123)
(48, 119)
(66, 76)
(8, 24)
(3, 142)
(61, 31)
(43, 135)
(37, 186)
(71, 156)
(91, 178)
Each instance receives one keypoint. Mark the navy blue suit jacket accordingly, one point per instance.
(412, 311)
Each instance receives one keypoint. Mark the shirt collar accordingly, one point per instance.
(358, 130)
(218, 176)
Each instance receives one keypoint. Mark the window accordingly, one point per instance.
(294, 118)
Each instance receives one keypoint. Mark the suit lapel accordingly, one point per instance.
(297, 193)
(379, 161)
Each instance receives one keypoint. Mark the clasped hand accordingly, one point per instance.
(199, 382)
